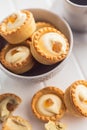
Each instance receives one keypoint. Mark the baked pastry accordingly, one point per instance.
(54, 126)
(75, 98)
(16, 123)
(49, 46)
(8, 103)
(17, 58)
(43, 24)
(17, 27)
(48, 104)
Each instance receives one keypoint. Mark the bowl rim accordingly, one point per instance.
(54, 69)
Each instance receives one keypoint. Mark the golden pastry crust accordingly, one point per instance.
(16, 123)
(20, 67)
(22, 32)
(71, 101)
(48, 90)
(41, 54)
(8, 103)
(69, 104)
(43, 24)
(54, 126)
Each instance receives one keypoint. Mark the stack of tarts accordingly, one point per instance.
(16, 55)
(29, 41)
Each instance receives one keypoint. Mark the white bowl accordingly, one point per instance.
(43, 72)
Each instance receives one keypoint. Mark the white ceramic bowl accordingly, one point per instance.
(42, 72)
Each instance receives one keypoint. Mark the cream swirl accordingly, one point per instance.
(51, 39)
(49, 104)
(15, 20)
(17, 54)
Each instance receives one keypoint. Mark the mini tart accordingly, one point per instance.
(54, 126)
(75, 98)
(48, 104)
(16, 123)
(49, 46)
(21, 33)
(42, 24)
(17, 58)
(8, 103)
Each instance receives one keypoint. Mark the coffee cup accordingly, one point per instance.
(75, 13)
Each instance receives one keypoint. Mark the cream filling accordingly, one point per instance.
(16, 125)
(81, 95)
(4, 112)
(49, 104)
(17, 54)
(20, 19)
(49, 39)
(54, 126)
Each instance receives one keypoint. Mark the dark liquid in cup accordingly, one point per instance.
(79, 2)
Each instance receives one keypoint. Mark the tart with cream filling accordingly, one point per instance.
(47, 104)
(16, 123)
(75, 98)
(18, 27)
(17, 58)
(49, 46)
(8, 103)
